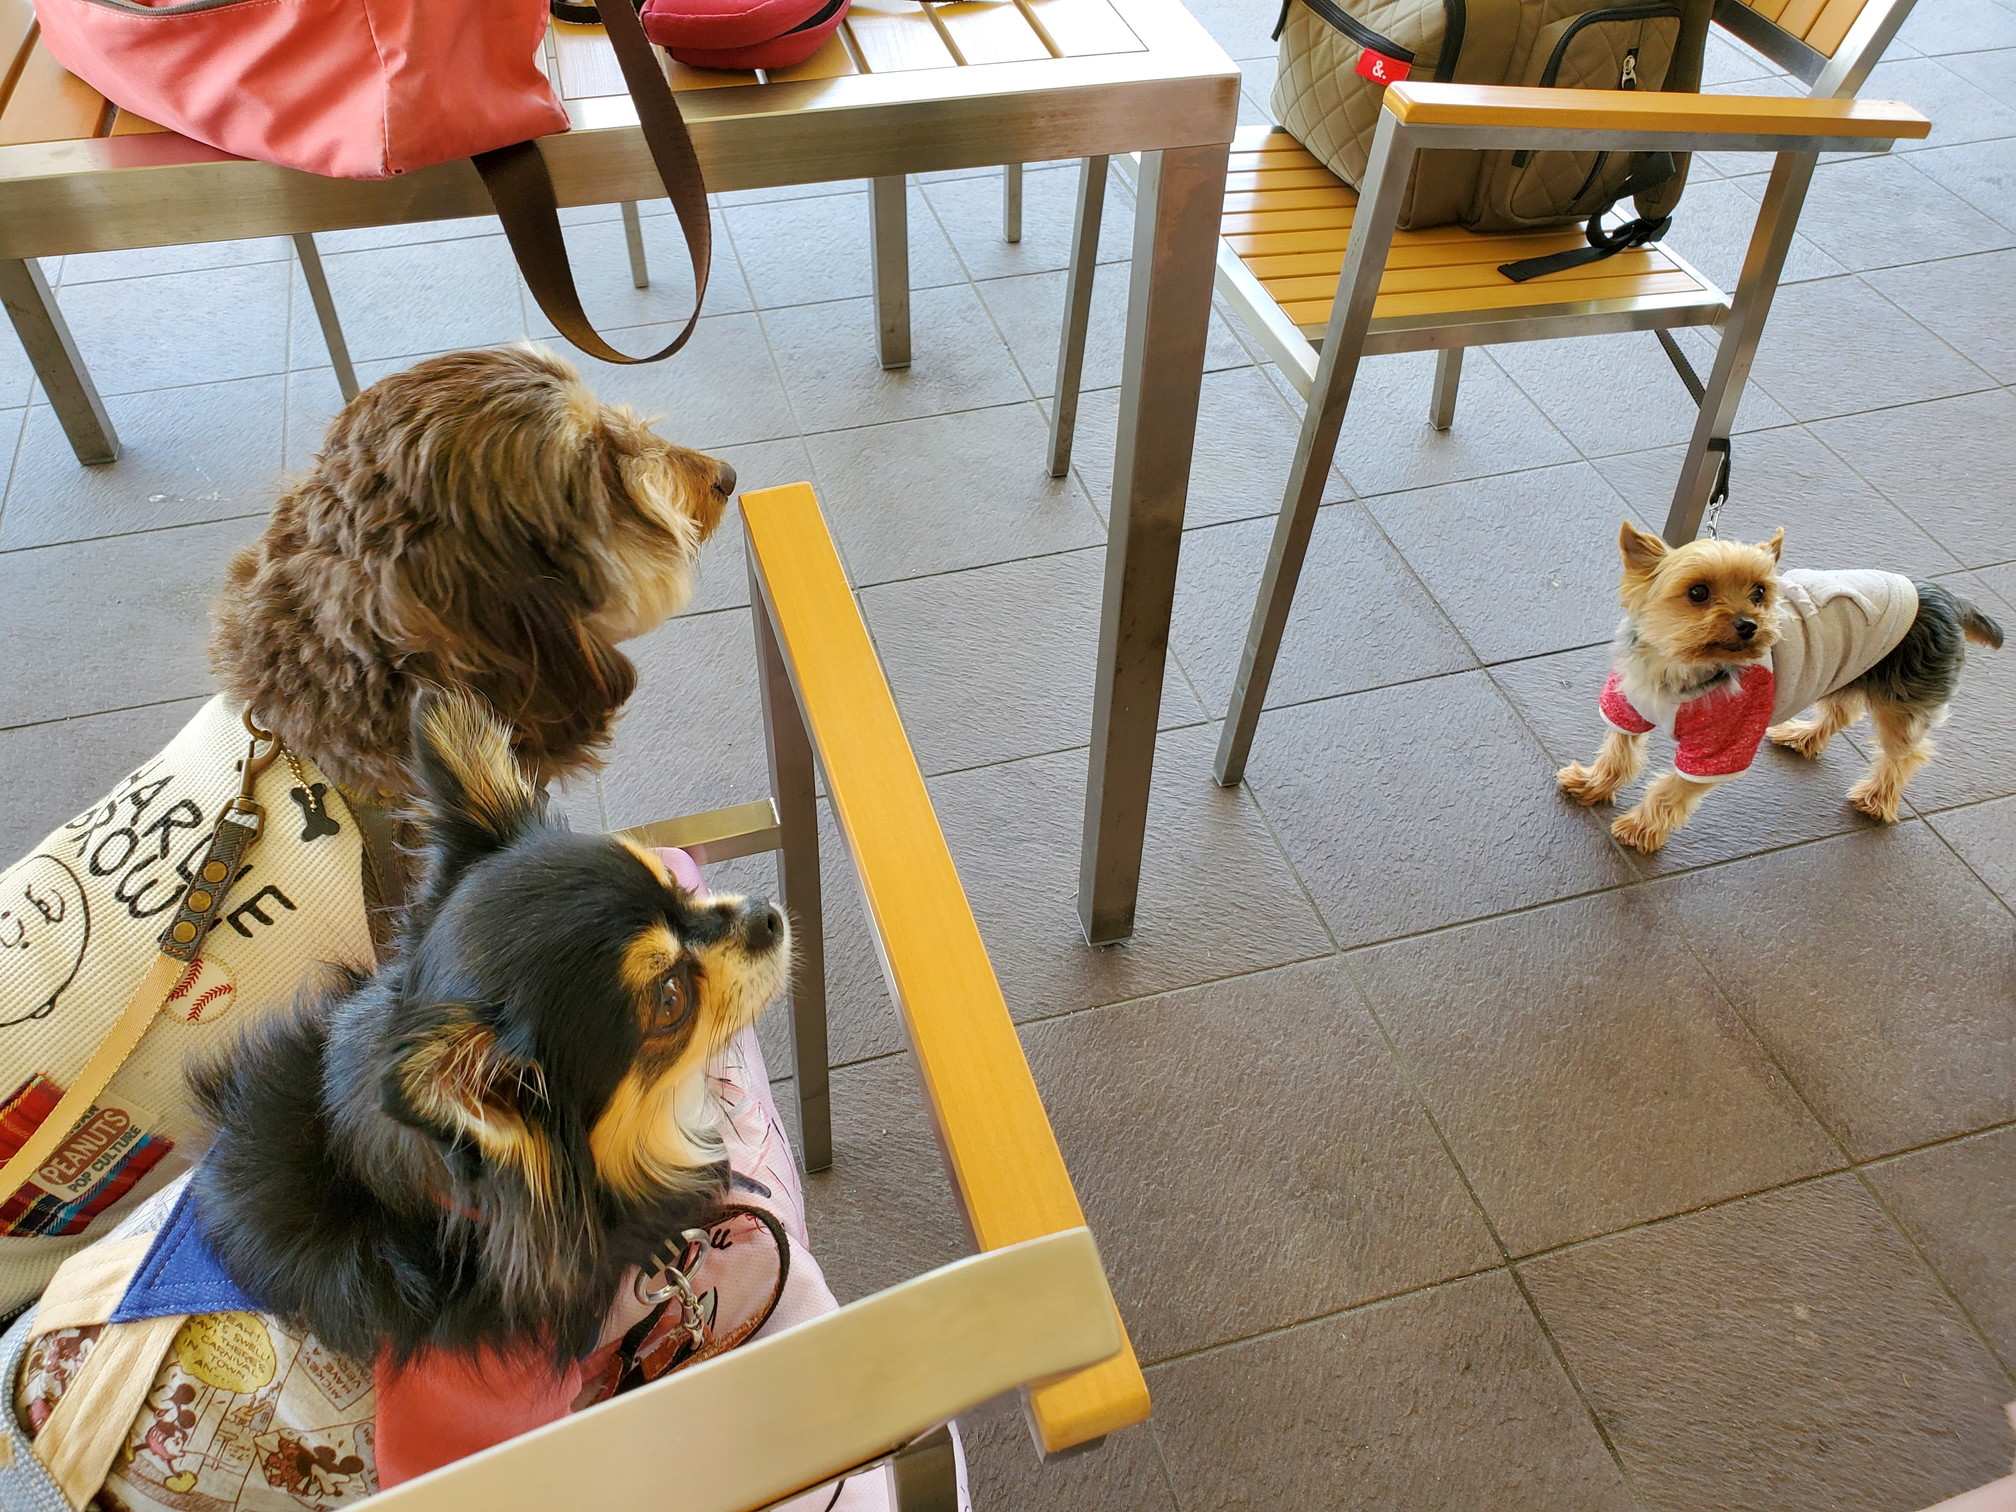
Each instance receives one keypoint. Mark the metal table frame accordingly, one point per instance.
(1175, 101)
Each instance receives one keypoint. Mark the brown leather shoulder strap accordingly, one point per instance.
(522, 190)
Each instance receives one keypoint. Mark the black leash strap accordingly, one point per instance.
(1658, 168)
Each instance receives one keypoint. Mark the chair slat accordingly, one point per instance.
(1249, 180)
(1484, 251)
(49, 104)
(1832, 25)
(1314, 314)
(1082, 28)
(1770, 10)
(1798, 15)
(1275, 197)
(990, 31)
(1473, 275)
(891, 37)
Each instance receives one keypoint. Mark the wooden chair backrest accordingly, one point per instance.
(1828, 44)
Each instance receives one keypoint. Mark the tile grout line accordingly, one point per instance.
(1554, 1347)
(1678, 924)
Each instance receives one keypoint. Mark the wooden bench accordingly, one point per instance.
(828, 713)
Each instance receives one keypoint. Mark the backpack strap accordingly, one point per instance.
(522, 190)
(1656, 170)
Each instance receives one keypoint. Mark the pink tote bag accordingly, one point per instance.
(374, 88)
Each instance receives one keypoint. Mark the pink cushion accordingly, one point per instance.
(742, 34)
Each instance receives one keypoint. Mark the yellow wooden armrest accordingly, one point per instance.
(1428, 104)
(1005, 1165)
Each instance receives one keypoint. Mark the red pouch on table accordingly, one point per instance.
(742, 33)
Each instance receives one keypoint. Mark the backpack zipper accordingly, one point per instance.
(1589, 18)
(1353, 28)
(1454, 16)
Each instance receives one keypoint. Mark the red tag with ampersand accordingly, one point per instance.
(1381, 69)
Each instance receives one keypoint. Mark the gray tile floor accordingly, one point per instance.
(1444, 1155)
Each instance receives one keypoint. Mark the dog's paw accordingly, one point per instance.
(1876, 799)
(1583, 785)
(1798, 735)
(1640, 832)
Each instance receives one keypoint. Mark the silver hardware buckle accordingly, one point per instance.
(675, 1273)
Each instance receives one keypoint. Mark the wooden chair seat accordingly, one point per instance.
(1289, 220)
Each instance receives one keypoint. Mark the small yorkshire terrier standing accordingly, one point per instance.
(1719, 648)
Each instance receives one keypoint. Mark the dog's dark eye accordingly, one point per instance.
(1698, 594)
(1757, 594)
(675, 1002)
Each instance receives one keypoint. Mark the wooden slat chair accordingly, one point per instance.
(1295, 243)
(1419, 117)
(828, 712)
(1287, 222)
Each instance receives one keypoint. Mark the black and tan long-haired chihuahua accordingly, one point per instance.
(468, 1148)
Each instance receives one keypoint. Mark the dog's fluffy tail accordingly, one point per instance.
(1977, 627)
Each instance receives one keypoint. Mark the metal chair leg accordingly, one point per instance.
(1011, 203)
(1316, 445)
(1077, 313)
(927, 1475)
(792, 789)
(633, 238)
(325, 312)
(889, 238)
(1763, 264)
(1448, 373)
(65, 380)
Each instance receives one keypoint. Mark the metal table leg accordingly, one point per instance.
(1763, 263)
(889, 239)
(65, 379)
(317, 278)
(1011, 203)
(1448, 373)
(792, 789)
(1180, 196)
(633, 239)
(1077, 313)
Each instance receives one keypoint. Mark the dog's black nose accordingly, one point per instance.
(1745, 628)
(724, 480)
(761, 925)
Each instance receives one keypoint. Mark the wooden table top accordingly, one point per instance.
(904, 86)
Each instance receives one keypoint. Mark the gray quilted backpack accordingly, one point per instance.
(1336, 64)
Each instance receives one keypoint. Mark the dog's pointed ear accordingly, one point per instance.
(1641, 549)
(474, 797)
(1776, 545)
(455, 1081)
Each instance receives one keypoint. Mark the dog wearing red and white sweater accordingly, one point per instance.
(1718, 648)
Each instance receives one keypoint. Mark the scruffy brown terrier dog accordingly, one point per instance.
(1719, 648)
(480, 520)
